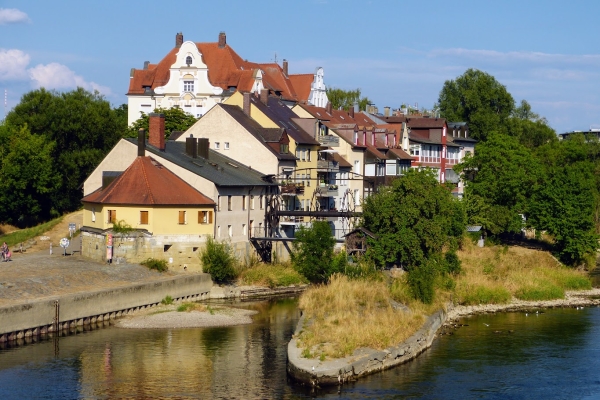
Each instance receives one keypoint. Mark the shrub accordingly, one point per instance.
(167, 300)
(218, 261)
(421, 280)
(153, 263)
(312, 252)
(452, 263)
(122, 227)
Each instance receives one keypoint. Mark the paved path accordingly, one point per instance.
(36, 275)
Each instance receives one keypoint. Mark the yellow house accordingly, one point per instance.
(147, 209)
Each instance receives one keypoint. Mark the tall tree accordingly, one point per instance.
(479, 99)
(345, 99)
(175, 120)
(83, 128)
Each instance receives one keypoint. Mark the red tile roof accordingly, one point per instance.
(147, 182)
(302, 83)
(422, 122)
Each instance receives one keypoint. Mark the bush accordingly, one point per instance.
(312, 253)
(167, 300)
(421, 280)
(218, 261)
(452, 263)
(122, 227)
(153, 263)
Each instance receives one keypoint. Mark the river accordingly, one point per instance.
(554, 354)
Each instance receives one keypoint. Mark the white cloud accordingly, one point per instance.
(517, 56)
(58, 76)
(13, 64)
(12, 16)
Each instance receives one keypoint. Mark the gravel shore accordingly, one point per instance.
(572, 299)
(169, 317)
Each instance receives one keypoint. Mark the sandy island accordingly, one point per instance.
(169, 317)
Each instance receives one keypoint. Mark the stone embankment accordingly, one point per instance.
(365, 361)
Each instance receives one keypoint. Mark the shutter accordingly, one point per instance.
(144, 217)
(181, 217)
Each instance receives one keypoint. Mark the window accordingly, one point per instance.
(143, 217)
(229, 230)
(219, 231)
(112, 216)
(357, 167)
(188, 60)
(260, 202)
(356, 197)
(188, 86)
(252, 202)
(226, 145)
(219, 203)
(93, 214)
(415, 150)
(182, 217)
(244, 229)
(244, 202)
(250, 227)
(228, 203)
(217, 145)
(205, 217)
(355, 138)
(284, 148)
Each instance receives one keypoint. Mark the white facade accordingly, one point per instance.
(318, 94)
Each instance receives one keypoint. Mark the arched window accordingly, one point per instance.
(188, 60)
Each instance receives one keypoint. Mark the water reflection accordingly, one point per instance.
(554, 355)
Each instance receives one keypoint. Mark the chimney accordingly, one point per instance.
(386, 111)
(191, 146)
(246, 104)
(178, 39)
(146, 64)
(264, 96)
(329, 107)
(285, 67)
(157, 130)
(222, 40)
(351, 112)
(356, 109)
(203, 147)
(141, 143)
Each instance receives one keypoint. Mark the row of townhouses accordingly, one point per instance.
(265, 140)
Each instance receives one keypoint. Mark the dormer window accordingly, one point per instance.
(188, 86)
(188, 60)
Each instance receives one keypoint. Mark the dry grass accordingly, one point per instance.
(271, 275)
(495, 274)
(348, 314)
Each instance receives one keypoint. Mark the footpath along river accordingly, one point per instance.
(554, 354)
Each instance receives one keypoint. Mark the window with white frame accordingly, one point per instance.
(415, 150)
(357, 167)
(244, 229)
(229, 230)
(252, 202)
(226, 146)
(430, 153)
(188, 86)
(390, 167)
(217, 145)
(453, 155)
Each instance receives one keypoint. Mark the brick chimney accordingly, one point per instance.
(222, 40)
(351, 112)
(141, 143)
(146, 64)
(329, 106)
(157, 130)
(178, 39)
(285, 67)
(264, 96)
(246, 104)
(386, 111)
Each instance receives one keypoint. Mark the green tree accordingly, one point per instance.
(501, 179)
(312, 252)
(27, 179)
(218, 260)
(345, 99)
(479, 99)
(83, 128)
(175, 120)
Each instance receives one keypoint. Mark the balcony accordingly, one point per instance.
(327, 190)
(327, 165)
(292, 189)
(329, 140)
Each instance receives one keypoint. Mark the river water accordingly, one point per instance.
(554, 354)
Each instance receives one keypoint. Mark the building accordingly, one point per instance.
(196, 76)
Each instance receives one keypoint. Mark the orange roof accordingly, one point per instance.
(225, 69)
(147, 182)
(302, 84)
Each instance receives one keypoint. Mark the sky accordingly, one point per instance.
(396, 52)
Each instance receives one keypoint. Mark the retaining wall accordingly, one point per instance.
(363, 361)
(39, 316)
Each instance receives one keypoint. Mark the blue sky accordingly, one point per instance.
(546, 52)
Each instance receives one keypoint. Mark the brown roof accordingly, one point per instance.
(147, 182)
(341, 161)
(401, 154)
(302, 84)
(423, 122)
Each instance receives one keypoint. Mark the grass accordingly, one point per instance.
(167, 300)
(187, 307)
(493, 275)
(347, 314)
(22, 235)
(271, 275)
(153, 263)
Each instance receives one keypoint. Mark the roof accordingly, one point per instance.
(147, 182)
(342, 162)
(219, 169)
(263, 135)
(283, 116)
(302, 83)
(401, 154)
(425, 122)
